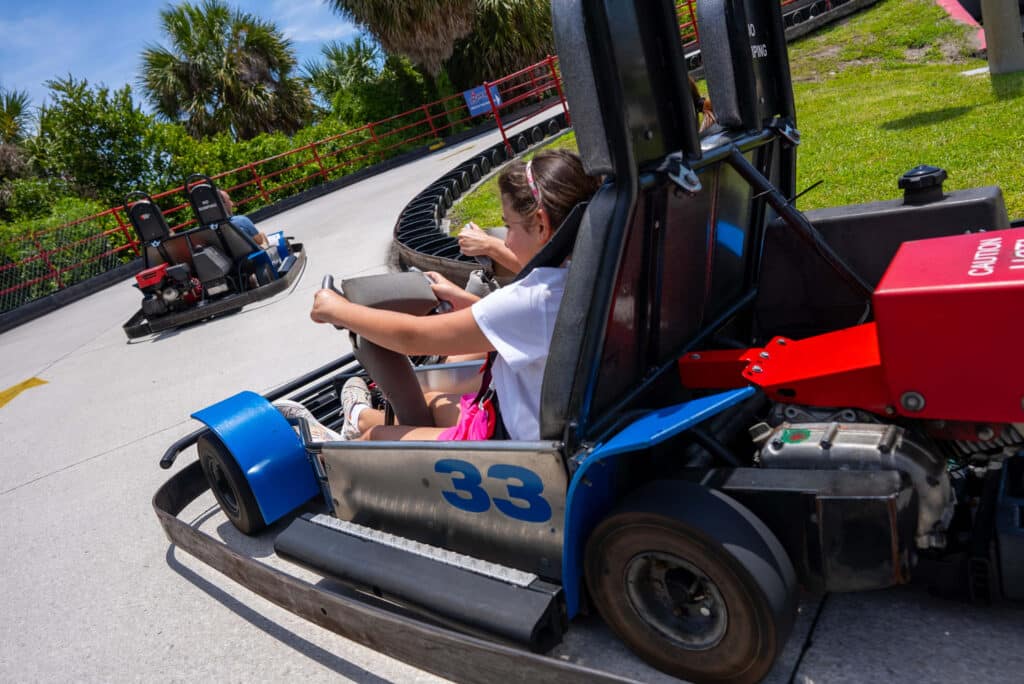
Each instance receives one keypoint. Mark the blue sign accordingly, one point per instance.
(476, 100)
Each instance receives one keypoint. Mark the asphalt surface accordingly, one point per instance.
(91, 590)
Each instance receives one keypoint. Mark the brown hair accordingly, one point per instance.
(559, 179)
(705, 114)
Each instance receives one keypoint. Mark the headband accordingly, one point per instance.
(533, 184)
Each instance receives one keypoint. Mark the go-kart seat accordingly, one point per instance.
(150, 226)
(211, 213)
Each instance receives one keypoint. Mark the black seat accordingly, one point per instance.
(210, 212)
(151, 227)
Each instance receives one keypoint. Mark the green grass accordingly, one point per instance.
(876, 95)
(883, 92)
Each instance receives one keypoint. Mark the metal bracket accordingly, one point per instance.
(680, 173)
(786, 130)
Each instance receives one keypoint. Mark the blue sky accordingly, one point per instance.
(102, 40)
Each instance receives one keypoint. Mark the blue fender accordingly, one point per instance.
(266, 448)
(591, 491)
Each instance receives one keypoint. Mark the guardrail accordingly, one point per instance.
(36, 265)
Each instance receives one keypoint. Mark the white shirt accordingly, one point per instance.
(519, 320)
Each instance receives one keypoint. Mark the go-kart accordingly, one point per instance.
(207, 271)
(740, 400)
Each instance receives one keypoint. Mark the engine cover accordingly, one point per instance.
(211, 265)
(868, 446)
(949, 326)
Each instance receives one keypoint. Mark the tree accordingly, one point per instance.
(95, 140)
(425, 31)
(15, 116)
(361, 84)
(507, 36)
(343, 67)
(225, 70)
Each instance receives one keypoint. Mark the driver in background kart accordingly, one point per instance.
(243, 222)
(516, 321)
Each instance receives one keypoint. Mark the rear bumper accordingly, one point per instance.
(139, 325)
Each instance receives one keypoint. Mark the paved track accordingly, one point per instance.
(92, 592)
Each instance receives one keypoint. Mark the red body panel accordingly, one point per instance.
(151, 276)
(950, 314)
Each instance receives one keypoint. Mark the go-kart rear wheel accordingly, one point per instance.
(229, 485)
(684, 602)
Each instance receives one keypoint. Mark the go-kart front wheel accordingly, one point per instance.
(229, 485)
(684, 602)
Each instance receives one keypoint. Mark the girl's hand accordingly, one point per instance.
(447, 291)
(474, 241)
(326, 305)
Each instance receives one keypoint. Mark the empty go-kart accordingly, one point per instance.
(740, 400)
(213, 269)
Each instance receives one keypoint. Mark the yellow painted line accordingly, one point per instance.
(13, 391)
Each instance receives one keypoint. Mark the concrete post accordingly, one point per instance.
(1003, 35)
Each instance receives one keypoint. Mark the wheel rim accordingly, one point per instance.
(223, 488)
(675, 598)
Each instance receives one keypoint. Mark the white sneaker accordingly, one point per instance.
(353, 393)
(317, 430)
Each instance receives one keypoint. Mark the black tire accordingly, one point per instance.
(485, 165)
(229, 485)
(684, 602)
(537, 134)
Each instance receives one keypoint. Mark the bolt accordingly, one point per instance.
(890, 411)
(912, 401)
(763, 355)
(705, 611)
(985, 433)
(648, 134)
(695, 357)
(782, 341)
(756, 369)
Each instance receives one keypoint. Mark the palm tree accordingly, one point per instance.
(15, 116)
(225, 70)
(425, 31)
(343, 67)
(507, 35)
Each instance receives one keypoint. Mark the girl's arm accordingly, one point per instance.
(451, 333)
(474, 241)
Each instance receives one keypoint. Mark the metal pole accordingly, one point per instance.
(1003, 36)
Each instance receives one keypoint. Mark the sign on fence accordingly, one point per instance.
(476, 100)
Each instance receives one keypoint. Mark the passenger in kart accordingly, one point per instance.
(243, 222)
(516, 321)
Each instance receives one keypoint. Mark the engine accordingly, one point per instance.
(168, 288)
(798, 437)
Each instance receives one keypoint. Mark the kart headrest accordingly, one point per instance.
(743, 48)
(205, 200)
(580, 86)
(146, 217)
(628, 97)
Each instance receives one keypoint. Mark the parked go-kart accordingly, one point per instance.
(698, 461)
(206, 271)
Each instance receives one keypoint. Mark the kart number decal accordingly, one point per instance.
(524, 489)
(468, 494)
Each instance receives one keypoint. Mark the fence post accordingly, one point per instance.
(259, 182)
(497, 119)
(426, 113)
(124, 229)
(693, 22)
(45, 256)
(558, 84)
(319, 161)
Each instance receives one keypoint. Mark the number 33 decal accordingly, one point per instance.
(524, 486)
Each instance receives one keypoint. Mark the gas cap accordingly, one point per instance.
(922, 184)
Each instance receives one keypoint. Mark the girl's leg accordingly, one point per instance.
(405, 433)
(444, 407)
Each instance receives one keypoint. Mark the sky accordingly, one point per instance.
(102, 40)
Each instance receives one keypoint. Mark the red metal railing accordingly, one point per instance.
(34, 265)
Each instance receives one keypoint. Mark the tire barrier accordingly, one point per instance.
(418, 236)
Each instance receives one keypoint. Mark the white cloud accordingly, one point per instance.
(305, 21)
